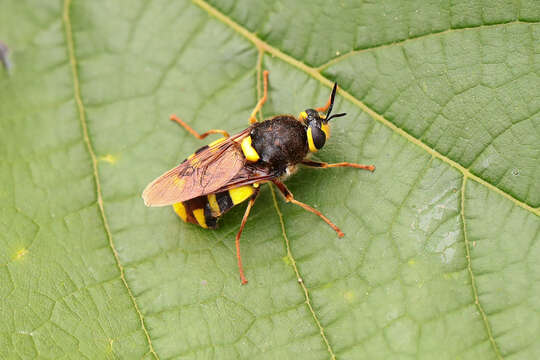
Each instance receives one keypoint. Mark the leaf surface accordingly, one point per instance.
(440, 254)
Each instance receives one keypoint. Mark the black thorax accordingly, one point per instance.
(280, 142)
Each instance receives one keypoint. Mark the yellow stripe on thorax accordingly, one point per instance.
(241, 193)
(249, 152)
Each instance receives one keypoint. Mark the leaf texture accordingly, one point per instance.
(442, 241)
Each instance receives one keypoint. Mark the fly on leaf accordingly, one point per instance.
(230, 170)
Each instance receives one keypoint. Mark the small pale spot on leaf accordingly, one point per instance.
(349, 296)
(19, 254)
(111, 159)
(286, 260)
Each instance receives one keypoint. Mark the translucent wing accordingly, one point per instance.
(202, 173)
(249, 174)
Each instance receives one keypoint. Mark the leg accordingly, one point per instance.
(252, 118)
(196, 134)
(289, 197)
(341, 164)
(244, 219)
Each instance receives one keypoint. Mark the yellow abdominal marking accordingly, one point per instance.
(240, 194)
(312, 147)
(180, 209)
(249, 151)
(199, 215)
(213, 204)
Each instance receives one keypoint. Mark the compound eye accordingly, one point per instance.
(316, 138)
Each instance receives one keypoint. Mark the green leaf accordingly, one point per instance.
(440, 257)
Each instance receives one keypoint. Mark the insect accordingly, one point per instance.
(230, 170)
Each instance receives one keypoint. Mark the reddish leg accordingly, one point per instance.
(244, 219)
(341, 164)
(258, 107)
(289, 197)
(196, 134)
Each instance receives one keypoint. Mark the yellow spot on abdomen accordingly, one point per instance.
(249, 152)
(213, 204)
(240, 194)
(199, 215)
(180, 210)
(19, 254)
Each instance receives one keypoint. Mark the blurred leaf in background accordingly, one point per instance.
(440, 257)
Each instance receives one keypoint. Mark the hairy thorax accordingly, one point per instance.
(281, 142)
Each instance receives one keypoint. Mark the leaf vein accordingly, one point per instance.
(316, 74)
(82, 118)
(471, 274)
(410, 39)
(299, 277)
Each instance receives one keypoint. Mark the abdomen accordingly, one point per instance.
(205, 210)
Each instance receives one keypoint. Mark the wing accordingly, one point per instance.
(249, 174)
(204, 172)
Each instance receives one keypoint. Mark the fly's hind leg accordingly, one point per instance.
(237, 242)
(289, 198)
(258, 107)
(196, 134)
